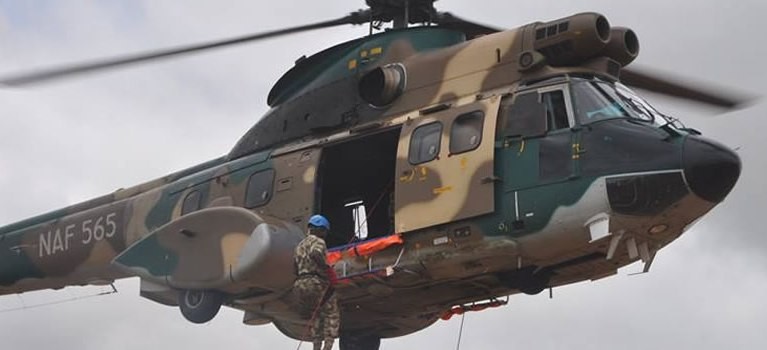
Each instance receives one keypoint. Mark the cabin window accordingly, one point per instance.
(466, 132)
(424, 144)
(191, 202)
(359, 217)
(524, 115)
(259, 190)
(556, 110)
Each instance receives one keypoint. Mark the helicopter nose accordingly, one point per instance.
(711, 169)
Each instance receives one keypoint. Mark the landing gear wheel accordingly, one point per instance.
(533, 288)
(534, 283)
(530, 281)
(199, 306)
(350, 341)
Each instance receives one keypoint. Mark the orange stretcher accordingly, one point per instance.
(364, 248)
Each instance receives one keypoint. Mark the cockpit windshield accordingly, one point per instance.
(596, 100)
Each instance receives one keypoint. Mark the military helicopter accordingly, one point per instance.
(511, 162)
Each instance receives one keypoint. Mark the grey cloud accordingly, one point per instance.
(77, 139)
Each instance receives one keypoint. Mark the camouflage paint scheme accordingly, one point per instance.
(475, 225)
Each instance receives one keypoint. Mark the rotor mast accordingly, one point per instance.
(401, 19)
(402, 13)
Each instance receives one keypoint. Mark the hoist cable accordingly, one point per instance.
(460, 332)
(57, 302)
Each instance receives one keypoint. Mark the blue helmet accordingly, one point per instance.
(319, 221)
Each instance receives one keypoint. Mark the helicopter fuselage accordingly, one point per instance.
(451, 173)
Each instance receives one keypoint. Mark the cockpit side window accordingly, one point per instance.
(556, 110)
(524, 115)
(534, 113)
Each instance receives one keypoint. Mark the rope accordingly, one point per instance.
(460, 333)
(309, 325)
(359, 226)
(25, 307)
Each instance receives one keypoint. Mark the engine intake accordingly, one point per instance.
(382, 85)
(623, 46)
(573, 39)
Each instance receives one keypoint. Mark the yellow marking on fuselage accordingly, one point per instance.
(407, 178)
(376, 51)
(577, 150)
(309, 174)
(424, 173)
(443, 189)
(352, 64)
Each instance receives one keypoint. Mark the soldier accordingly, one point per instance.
(314, 287)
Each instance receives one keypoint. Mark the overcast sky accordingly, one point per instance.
(70, 141)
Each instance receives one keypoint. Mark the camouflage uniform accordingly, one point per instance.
(317, 300)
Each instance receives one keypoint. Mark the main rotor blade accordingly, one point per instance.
(71, 70)
(654, 83)
(472, 29)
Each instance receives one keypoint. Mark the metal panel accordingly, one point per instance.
(295, 181)
(450, 187)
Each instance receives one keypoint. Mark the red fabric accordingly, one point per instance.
(332, 277)
(334, 257)
(459, 310)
